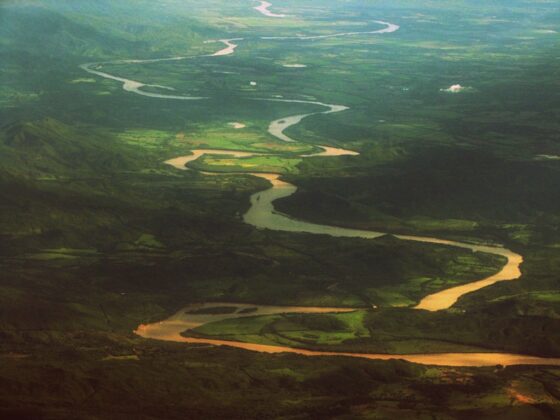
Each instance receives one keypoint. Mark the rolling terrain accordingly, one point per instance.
(101, 235)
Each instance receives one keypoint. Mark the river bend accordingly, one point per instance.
(262, 215)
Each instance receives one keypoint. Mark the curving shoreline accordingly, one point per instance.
(263, 8)
(389, 28)
(135, 86)
(172, 328)
(167, 333)
(262, 215)
(228, 50)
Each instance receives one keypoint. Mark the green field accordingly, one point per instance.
(99, 235)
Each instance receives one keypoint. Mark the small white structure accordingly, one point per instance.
(454, 89)
(237, 125)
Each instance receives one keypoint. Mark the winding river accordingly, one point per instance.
(264, 9)
(262, 215)
(185, 319)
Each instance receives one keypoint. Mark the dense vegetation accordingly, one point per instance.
(97, 235)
